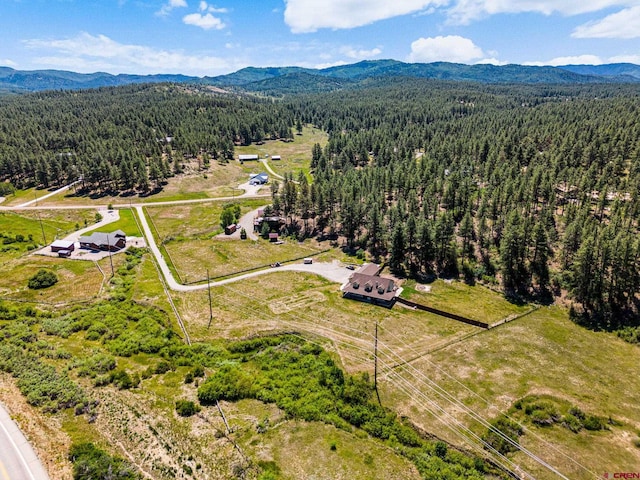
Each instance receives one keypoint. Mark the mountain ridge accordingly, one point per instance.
(22, 81)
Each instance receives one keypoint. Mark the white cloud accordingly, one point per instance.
(492, 61)
(91, 53)
(170, 5)
(625, 59)
(205, 7)
(360, 54)
(304, 16)
(569, 60)
(451, 48)
(322, 66)
(206, 21)
(8, 63)
(464, 11)
(623, 24)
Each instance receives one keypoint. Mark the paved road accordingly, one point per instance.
(332, 271)
(36, 200)
(18, 461)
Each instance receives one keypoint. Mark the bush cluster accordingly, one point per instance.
(302, 379)
(42, 279)
(90, 462)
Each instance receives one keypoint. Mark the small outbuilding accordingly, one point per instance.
(275, 157)
(273, 237)
(229, 229)
(59, 245)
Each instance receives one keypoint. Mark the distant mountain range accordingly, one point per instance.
(292, 79)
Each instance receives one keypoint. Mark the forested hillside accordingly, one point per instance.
(534, 188)
(127, 138)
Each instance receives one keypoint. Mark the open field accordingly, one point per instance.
(541, 353)
(478, 302)
(78, 280)
(296, 155)
(126, 223)
(38, 228)
(285, 301)
(198, 220)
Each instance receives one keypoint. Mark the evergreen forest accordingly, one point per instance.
(532, 188)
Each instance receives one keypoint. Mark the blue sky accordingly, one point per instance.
(216, 37)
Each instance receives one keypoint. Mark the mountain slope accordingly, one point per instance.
(293, 79)
(610, 70)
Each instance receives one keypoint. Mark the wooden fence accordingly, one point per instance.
(442, 313)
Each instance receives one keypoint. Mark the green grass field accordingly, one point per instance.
(126, 223)
(543, 353)
(77, 280)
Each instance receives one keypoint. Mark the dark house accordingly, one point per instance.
(59, 245)
(273, 237)
(113, 241)
(366, 285)
(259, 179)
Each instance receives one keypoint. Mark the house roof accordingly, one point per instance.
(102, 238)
(372, 286)
(62, 244)
(369, 269)
(248, 157)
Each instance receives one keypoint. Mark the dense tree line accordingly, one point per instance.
(126, 138)
(538, 187)
(535, 187)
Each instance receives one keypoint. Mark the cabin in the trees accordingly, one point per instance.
(258, 179)
(274, 223)
(247, 158)
(366, 285)
(113, 241)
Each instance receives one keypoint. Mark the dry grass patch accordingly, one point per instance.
(295, 156)
(192, 258)
(44, 432)
(244, 309)
(77, 280)
(308, 450)
(543, 352)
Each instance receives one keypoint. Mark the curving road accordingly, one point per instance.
(334, 271)
(18, 461)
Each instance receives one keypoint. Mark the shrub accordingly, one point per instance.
(163, 367)
(42, 279)
(511, 430)
(89, 462)
(573, 423)
(186, 408)
(593, 423)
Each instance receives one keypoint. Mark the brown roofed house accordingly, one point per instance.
(366, 285)
(113, 241)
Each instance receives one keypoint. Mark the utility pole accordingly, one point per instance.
(210, 307)
(44, 238)
(375, 364)
(110, 258)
